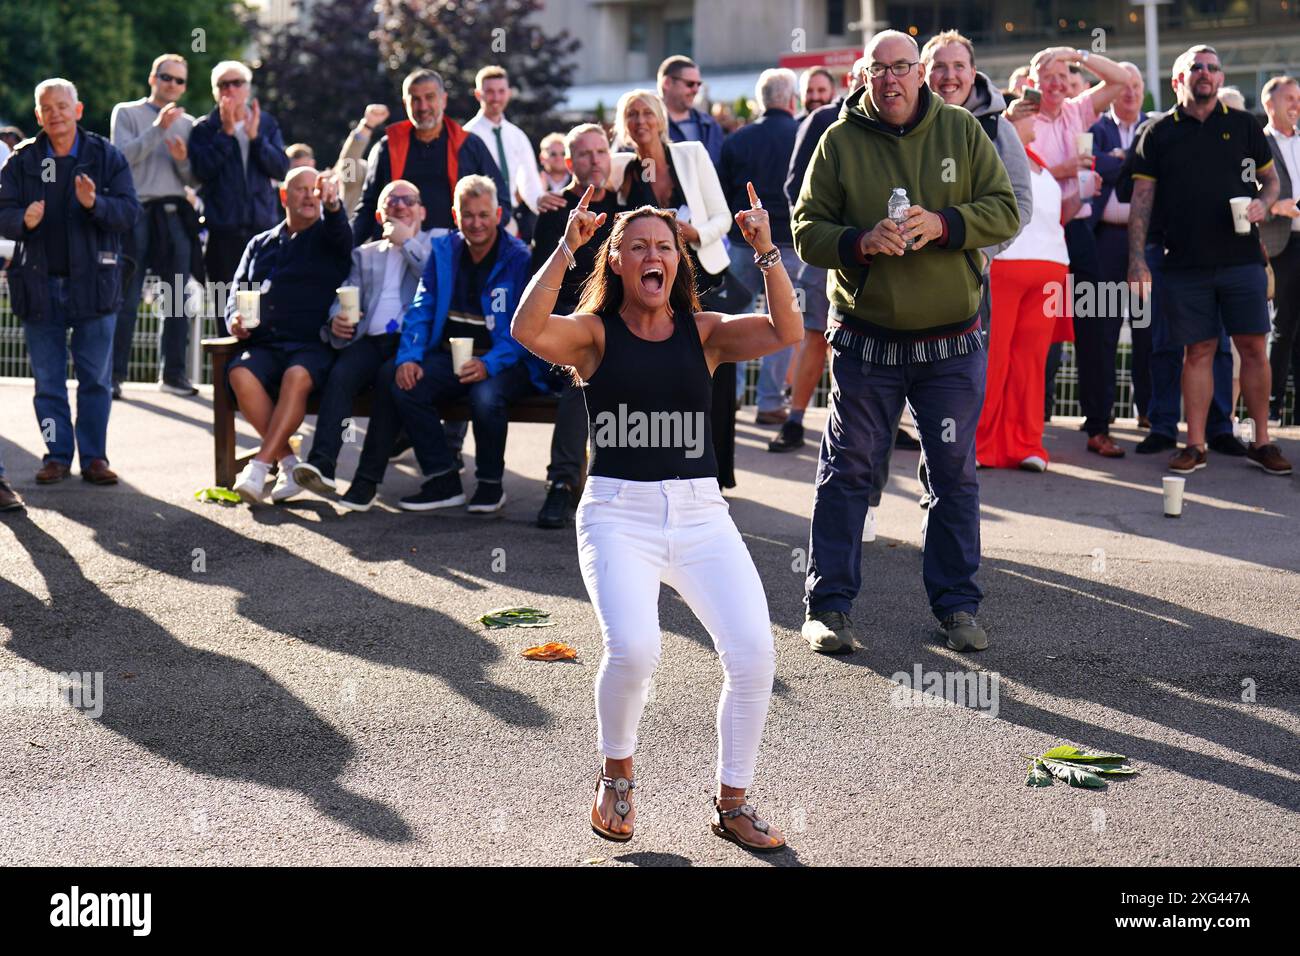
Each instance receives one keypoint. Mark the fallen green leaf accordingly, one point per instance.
(1074, 776)
(222, 496)
(1075, 755)
(1038, 775)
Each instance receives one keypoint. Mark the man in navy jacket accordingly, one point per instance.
(238, 154)
(297, 266)
(679, 84)
(67, 199)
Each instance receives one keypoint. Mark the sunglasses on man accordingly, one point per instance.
(393, 202)
(227, 84)
(1205, 68)
(168, 78)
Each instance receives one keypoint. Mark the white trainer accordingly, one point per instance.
(251, 483)
(285, 487)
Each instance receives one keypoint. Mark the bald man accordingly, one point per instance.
(297, 266)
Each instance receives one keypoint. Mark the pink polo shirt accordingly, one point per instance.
(1054, 140)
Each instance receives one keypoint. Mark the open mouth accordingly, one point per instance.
(652, 280)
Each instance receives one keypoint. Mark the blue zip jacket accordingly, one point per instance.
(231, 198)
(94, 235)
(425, 317)
(711, 134)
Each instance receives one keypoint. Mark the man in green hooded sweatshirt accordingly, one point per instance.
(905, 302)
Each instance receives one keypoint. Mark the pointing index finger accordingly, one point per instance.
(586, 198)
(754, 201)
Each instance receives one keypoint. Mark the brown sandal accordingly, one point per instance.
(744, 810)
(621, 786)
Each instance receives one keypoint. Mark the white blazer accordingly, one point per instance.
(710, 214)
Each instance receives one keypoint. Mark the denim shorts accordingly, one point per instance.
(1203, 303)
(269, 361)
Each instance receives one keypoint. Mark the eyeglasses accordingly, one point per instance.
(901, 68)
(689, 84)
(168, 78)
(1205, 68)
(407, 201)
(227, 84)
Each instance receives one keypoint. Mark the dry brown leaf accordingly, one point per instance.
(553, 651)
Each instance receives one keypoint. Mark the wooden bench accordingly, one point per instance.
(534, 408)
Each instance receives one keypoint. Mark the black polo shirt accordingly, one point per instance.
(1197, 167)
(550, 229)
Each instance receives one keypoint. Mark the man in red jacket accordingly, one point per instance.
(428, 149)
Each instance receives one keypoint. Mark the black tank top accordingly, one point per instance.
(649, 405)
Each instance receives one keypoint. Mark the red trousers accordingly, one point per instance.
(1020, 333)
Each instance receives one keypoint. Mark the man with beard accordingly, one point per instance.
(1188, 166)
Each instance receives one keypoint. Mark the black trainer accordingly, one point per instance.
(789, 438)
(1155, 442)
(558, 506)
(360, 495)
(1227, 444)
(442, 491)
(489, 496)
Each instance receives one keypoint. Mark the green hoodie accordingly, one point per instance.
(947, 165)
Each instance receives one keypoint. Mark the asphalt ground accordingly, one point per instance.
(297, 684)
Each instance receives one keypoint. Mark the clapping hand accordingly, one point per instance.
(252, 119)
(754, 223)
(85, 190)
(582, 223)
(179, 151)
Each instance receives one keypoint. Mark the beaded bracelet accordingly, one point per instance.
(768, 259)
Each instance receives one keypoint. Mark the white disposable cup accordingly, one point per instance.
(1085, 184)
(1240, 224)
(1173, 488)
(349, 303)
(462, 350)
(248, 303)
(1083, 144)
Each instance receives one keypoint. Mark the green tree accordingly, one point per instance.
(458, 37)
(105, 48)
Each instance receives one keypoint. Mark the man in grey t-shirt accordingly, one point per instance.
(153, 134)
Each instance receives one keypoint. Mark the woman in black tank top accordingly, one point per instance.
(652, 512)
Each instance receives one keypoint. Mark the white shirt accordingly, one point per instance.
(520, 157)
(1289, 147)
(390, 305)
(1116, 212)
(1044, 238)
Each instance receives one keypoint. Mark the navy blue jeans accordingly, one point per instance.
(489, 402)
(92, 356)
(176, 326)
(945, 398)
(354, 371)
(1165, 409)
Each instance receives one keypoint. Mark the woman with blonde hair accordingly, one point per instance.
(651, 512)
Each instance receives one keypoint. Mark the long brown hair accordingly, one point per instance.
(603, 290)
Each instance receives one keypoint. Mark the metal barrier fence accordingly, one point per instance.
(145, 360)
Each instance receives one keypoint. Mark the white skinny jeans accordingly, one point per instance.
(634, 535)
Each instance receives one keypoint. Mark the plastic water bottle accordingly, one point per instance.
(898, 206)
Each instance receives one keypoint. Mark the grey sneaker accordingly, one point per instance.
(829, 632)
(963, 633)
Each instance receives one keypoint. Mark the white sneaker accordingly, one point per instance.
(869, 526)
(1033, 463)
(251, 483)
(285, 487)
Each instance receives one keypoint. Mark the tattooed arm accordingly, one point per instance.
(1139, 224)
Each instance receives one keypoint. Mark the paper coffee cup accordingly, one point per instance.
(1085, 184)
(248, 303)
(350, 303)
(1083, 144)
(462, 350)
(1173, 488)
(1240, 224)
